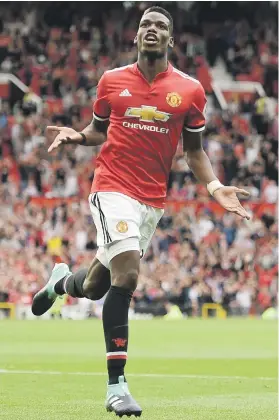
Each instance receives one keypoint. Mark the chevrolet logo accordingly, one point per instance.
(147, 114)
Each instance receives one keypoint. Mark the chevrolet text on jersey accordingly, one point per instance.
(145, 127)
(144, 130)
(147, 114)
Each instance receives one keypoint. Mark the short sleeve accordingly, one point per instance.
(195, 120)
(101, 107)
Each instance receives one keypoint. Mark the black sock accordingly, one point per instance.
(74, 284)
(115, 323)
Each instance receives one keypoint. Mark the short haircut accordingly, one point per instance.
(163, 11)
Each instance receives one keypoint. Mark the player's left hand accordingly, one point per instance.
(227, 197)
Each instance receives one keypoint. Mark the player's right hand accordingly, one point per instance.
(61, 135)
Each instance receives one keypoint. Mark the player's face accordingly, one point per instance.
(153, 37)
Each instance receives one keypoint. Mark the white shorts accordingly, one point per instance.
(122, 223)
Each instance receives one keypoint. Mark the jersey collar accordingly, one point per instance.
(159, 75)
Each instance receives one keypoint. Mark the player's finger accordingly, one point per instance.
(52, 132)
(54, 145)
(58, 141)
(51, 148)
(247, 215)
(237, 210)
(243, 192)
(239, 213)
(54, 128)
(242, 212)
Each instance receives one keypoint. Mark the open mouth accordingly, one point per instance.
(151, 39)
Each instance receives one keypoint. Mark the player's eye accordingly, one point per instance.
(144, 24)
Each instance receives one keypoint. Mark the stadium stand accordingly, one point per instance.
(49, 71)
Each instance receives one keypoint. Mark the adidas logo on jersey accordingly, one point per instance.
(125, 92)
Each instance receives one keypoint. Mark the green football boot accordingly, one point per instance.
(46, 297)
(120, 401)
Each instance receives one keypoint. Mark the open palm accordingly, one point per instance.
(61, 135)
(227, 198)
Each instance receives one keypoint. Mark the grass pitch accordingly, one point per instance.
(177, 370)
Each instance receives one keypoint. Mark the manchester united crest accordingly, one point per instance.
(174, 99)
(119, 342)
(122, 227)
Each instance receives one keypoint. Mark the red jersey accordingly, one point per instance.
(146, 122)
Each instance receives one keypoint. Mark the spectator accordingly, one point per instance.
(270, 193)
(198, 255)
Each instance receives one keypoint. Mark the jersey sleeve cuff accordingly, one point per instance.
(100, 118)
(195, 129)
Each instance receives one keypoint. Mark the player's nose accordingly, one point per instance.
(152, 29)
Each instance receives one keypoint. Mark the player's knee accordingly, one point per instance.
(92, 290)
(127, 280)
(92, 293)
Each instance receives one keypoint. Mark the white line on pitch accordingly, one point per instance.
(141, 375)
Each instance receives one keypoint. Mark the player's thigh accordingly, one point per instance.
(101, 264)
(101, 256)
(97, 272)
(148, 227)
(97, 281)
(116, 217)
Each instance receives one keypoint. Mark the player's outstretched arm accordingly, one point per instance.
(201, 167)
(93, 135)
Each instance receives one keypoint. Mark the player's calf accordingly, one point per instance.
(124, 274)
(92, 283)
(97, 281)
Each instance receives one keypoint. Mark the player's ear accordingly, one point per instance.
(136, 40)
(171, 42)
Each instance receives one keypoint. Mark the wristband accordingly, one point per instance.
(214, 186)
(84, 139)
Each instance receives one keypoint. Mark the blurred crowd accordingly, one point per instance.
(198, 255)
(62, 52)
(249, 49)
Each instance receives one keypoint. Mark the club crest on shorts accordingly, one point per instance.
(122, 227)
(173, 99)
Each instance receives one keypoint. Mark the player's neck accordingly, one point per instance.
(150, 68)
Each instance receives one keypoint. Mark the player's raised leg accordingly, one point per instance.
(124, 276)
(92, 283)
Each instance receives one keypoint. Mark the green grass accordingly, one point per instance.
(202, 370)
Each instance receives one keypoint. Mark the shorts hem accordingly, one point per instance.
(119, 251)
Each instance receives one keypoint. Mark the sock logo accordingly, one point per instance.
(119, 342)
